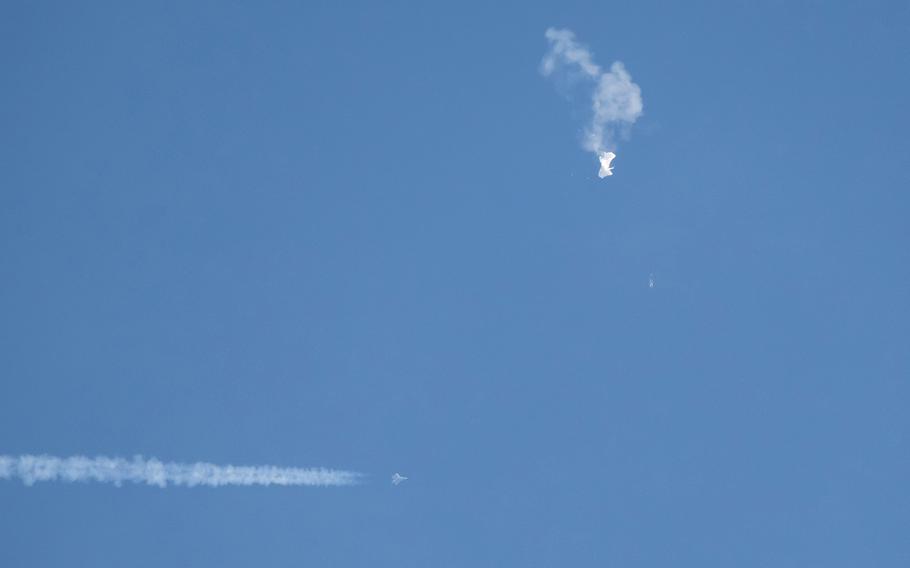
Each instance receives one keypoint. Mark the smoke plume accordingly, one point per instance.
(615, 101)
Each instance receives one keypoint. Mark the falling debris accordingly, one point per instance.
(605, 168)
(651, 280)
(398, 478)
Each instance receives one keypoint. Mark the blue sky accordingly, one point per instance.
(366, 236)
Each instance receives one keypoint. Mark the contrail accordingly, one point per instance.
(616, 101)
(32, 469)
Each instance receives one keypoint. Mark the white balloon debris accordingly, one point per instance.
(605, 168)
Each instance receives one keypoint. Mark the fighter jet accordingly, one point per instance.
(605, 168)
(398, 478)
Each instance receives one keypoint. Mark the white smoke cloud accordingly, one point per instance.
(32, 469)
(565, 50)
(616, 101)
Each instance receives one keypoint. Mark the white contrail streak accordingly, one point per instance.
(32, 469)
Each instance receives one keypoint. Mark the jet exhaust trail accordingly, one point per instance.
(32, 469)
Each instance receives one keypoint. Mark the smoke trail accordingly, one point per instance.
(616, 100)
(31, 469)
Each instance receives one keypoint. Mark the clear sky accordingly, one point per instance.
(366, 236)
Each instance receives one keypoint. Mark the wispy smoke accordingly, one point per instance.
(31, 469)
(565, 50)
(616, 100)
